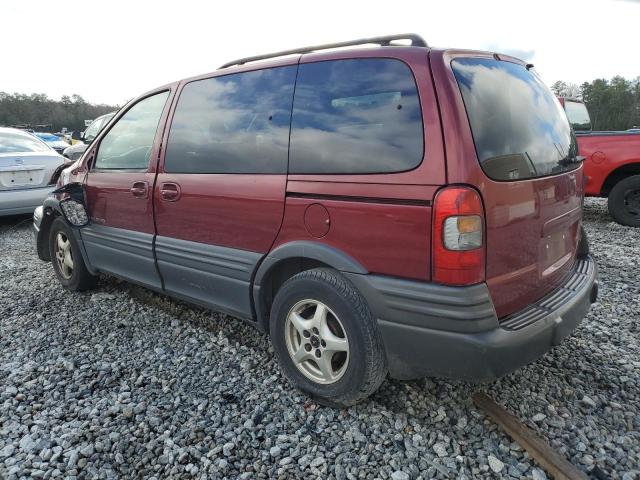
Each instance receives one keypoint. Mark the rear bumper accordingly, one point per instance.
(17, 202)
(431, 330)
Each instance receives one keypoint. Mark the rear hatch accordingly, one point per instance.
(533, 185)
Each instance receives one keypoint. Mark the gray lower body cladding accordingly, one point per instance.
(124, 253)
(209, 275)
(430, 330)
(215, 276)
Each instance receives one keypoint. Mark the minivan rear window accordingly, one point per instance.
(355, 116)
(519, 128)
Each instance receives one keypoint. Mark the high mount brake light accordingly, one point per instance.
(458, 237)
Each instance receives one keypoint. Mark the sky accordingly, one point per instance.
(112, 51)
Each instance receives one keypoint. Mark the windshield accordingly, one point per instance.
(519, 128)
(578, 116)
(20, 142)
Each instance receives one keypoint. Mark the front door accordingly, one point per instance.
(119, 189)
(219, 196)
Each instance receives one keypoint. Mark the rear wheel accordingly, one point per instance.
(66, 258)
(325, 338)
(624, 201)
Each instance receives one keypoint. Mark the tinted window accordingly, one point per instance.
(578, 116)
(355, 116)
(236, 123)
(518, 125)
(128, 144)
(20, 142)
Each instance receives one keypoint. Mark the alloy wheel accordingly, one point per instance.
(63, 255)
(317, 341)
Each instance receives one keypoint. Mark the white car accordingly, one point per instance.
(27, 171)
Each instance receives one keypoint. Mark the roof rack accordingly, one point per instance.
(416, 41)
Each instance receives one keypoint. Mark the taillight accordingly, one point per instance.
(458, 237)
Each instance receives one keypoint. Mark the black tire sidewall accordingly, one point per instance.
(76, 280)
(355, 375)
(616, 205)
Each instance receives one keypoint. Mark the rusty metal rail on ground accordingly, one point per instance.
(554, 463)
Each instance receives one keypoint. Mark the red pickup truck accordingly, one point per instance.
(612, 164)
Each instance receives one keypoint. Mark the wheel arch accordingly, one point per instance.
(620, 173)
(50, 211)
(289, 259)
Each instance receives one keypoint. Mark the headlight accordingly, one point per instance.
(74, 212)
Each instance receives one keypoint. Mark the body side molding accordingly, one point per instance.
(211, 275)
(125, 253)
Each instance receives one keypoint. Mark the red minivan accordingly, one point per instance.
(376, 208)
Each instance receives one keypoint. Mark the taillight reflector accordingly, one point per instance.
(458, 237)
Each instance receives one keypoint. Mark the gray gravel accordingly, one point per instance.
(124, 383)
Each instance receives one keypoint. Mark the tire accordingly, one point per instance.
(356, 372)
(624, 201)
(70, 269)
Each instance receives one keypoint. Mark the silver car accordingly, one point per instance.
(27, 168)
(74, 152)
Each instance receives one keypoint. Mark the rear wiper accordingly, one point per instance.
(571, 160)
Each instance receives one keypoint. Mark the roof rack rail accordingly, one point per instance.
(416, 41)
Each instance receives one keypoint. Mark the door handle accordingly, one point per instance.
(140, 189)
(169, 191)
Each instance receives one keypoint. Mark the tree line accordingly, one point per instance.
(613, 104)
(41, 113)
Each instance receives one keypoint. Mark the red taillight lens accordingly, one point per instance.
(458, 237)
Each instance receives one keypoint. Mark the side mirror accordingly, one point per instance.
(76, 135)
(73, 204)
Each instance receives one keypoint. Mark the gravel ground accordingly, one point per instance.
(124, 383)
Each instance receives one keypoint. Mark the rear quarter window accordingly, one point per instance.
(355, 116)
(518, 126)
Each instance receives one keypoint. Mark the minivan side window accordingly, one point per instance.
(127, 146)
(356, 116)
(237, 123)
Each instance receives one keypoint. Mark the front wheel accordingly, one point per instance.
(66, 258)
(624, 201)
(325, 338)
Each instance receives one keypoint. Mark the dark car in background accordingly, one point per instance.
(400, 210)
(75, 151)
